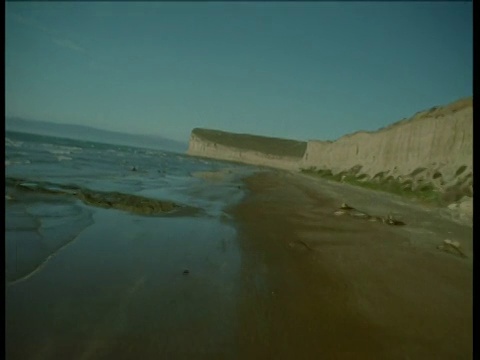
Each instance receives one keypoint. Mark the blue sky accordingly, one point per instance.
(312, 70)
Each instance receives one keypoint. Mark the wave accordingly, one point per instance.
(10, 142)
(63, 158)
(54, 252)
(17, 162)
(61, 149)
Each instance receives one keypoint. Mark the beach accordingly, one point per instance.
(186, 257)
(239, 180)
(317, 285)
(107, 262)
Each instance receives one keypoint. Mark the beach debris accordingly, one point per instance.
(391, 221)
(452, 247)
(360, 215)
(346, 209)
(186, 272)
(344, 206)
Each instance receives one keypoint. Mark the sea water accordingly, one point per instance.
(85, 282)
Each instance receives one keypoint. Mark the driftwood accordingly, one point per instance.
(346, 209)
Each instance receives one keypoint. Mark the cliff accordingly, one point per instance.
(430, 152)
(249, 149)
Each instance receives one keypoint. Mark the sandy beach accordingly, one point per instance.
(239, 180)
(316, 285)
(188, 258)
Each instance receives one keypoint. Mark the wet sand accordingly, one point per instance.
(316, 285)
(118, 291)
(277, 277)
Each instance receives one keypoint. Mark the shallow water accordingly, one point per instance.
(84, 282)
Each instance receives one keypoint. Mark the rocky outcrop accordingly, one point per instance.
(108, 200)
(249, 149)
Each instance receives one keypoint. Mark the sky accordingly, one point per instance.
(298, 70)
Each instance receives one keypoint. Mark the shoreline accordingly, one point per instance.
(272, 272)
(316, 284)
(461, 212)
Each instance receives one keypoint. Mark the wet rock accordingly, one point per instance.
(115, 200)
(127, 202)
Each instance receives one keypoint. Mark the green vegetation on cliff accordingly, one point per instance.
(263, 144)
(407, 186)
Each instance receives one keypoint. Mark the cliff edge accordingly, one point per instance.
(430, 153)
(245, 148)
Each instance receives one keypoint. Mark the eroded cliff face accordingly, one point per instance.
(432, 151)
(201, 147)
(434, 147)
(234, 147)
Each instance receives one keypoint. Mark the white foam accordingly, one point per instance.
(63, 158)
(13, 143)
(61, 150)
(16, 162)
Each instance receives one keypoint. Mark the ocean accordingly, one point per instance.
(91, 280)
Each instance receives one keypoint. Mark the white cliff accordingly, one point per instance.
(433, 148)
(248, 149)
